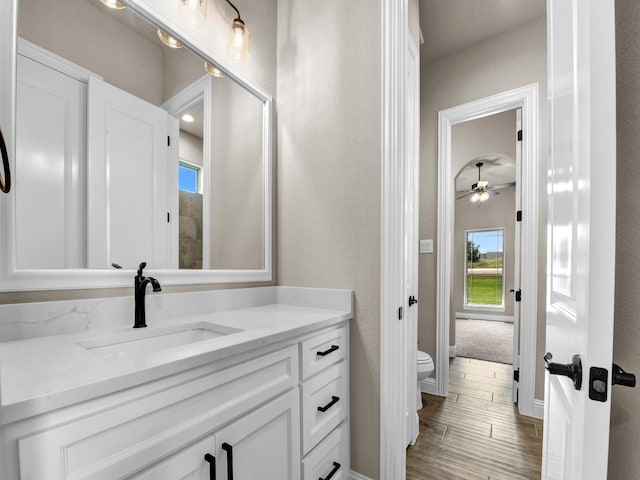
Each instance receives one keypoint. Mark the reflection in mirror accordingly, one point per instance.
(190, 175)
(127, 149)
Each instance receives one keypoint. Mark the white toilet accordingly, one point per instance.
(425, 368)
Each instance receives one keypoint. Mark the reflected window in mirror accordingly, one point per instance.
(189, 178)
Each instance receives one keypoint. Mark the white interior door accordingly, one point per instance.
(412, 173)
(581, 232)
(128, 189)
(50, 167)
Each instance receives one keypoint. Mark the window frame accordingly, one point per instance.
(479, 306)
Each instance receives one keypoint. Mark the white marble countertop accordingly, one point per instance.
(43, 374)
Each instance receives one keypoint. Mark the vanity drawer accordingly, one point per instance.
(324, 404)
(331, 455)
(121, 439)
(322, 350)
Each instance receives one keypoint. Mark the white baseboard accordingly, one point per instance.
(484, 316)
(538, 408)
(356, 476)
(428, 385)
(452, 351)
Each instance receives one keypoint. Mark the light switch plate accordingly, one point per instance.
(426, 246)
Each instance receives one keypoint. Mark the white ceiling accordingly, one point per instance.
(449, 26)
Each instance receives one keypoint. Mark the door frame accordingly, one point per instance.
(393, 388)
(525, 98)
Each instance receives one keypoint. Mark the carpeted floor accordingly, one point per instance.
(484, 340)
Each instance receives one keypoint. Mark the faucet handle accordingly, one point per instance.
(141, 267)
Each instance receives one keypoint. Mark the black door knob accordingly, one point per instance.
(572, 370)
(620, 377)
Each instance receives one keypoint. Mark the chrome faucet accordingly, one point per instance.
(140, 288)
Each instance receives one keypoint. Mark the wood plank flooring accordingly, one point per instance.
(476, 432)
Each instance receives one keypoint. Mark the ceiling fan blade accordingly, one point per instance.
(492, 193)
(466, 194)
(502, 185)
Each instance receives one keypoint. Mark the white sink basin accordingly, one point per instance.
(152, 339)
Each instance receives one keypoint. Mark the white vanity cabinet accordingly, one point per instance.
(247, 402)
(279, 412)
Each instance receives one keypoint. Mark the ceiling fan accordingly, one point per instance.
(481, 191)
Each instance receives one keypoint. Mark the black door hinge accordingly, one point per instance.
(400, 313)
(519, 216)
(168, 141)
(519, 135)
(168, 217)
(516, 375)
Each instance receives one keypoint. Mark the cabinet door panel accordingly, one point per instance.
(187, 464)
(265, 443)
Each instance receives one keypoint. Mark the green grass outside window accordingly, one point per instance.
(484, 290)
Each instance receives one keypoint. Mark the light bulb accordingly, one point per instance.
(213, 71)
(193, 11)
(239, 41)
(115, 4)
(484, 196)
(188, 118)
(168, 40)
(475, 197)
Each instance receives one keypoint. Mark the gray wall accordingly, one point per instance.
(329, 130)
(237, 178)
(499, 64)
(624, 461)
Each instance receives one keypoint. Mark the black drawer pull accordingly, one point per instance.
(229, 449)
(336, 467)
(5, 178)
(212, 465)
(327, 352)
(333, 401)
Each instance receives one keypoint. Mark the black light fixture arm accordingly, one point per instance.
(237, 11)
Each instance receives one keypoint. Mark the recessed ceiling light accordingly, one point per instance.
(115, 4)
(188, 118)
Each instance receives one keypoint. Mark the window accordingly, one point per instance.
(484, 268)
(189, 177)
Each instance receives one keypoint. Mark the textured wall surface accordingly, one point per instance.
(190, 230)
(624, 461)
(328, 198)
(499, 64)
